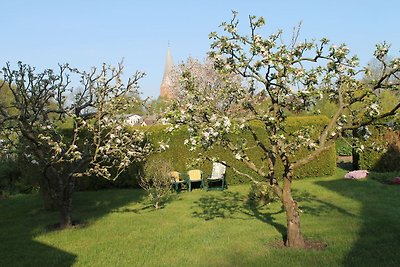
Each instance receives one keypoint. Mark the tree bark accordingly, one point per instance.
(294, 236)
(65, 212)
(49, 203)
(62, 188)
(48, 198)
(66, 201)
(354, 153)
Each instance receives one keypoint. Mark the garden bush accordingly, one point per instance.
(18, 176)
(382, 151)
(156, 180)
(343, 147)
(261, 194)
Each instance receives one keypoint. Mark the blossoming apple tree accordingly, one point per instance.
(279, 78)
(71, 136)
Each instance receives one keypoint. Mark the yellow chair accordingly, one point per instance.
(177, 180)
(195, 176)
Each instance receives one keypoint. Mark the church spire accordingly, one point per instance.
(165, 88)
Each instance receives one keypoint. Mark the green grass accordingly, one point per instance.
(358, 220)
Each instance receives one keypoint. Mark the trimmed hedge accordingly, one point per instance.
(182, 159)
(382, 160)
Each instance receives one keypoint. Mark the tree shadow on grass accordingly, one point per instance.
(234, 205)
(225, 205)
(91, 205)
(143, 204)
(312, 205)
(137, 210)
(379, 235)
(23, 219)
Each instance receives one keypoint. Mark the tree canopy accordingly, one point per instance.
(286, 78)
(70, 138)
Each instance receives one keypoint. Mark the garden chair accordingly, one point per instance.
(177, 180)
(217, 176)
(195, 176)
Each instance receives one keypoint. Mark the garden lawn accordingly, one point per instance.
(358, 220)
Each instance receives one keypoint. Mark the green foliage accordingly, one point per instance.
(261, 194)
(384, 153)
(326, 107)
(7, 98)
(128, 179)
(343, 147)
(18, 176)
(183, 159)
(158, 106)
(388, 100)
(9, 175)
(156, 180)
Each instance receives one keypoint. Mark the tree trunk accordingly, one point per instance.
(61, 186)
(355, 159)
(354, 153)
(49, 201)
(294, 236)
(66, 201)
(65, 212)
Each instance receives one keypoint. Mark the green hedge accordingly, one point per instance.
(127, 179)
(384, 154)
(181, 158)
(18, 176)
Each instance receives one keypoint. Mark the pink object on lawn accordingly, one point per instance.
(359, 174)
(395, 180)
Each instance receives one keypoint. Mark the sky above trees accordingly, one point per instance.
(87, 33)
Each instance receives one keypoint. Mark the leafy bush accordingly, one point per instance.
(157, 181)
(18, 176)
(382, 152)
(343, 148)
(261, 194)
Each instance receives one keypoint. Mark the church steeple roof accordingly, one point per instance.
(165, 88)
(168, 65)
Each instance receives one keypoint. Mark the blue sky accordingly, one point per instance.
(88, 33)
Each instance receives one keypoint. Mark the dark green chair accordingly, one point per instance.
(178, 182)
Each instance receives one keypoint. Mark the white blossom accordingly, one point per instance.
(227, 122)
